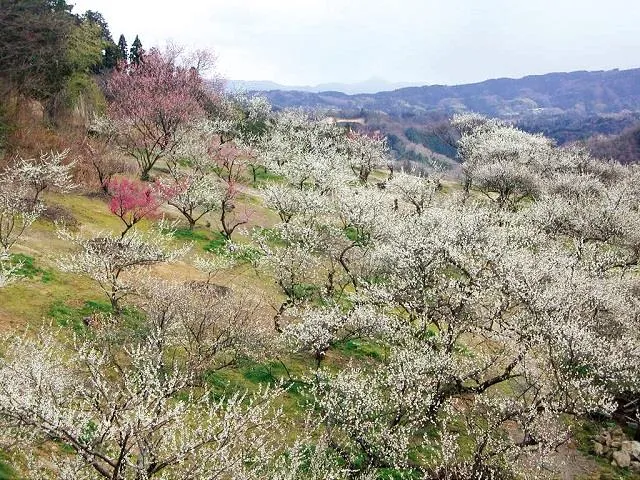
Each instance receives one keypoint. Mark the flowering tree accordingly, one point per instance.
(151, 103)
(291, 260)
(494, 322)
(17, 212)
(45, 172)
(230, 165)
(366, 153)
(448, 336)
(131, 201)
(415, 189)
(138, 423)
(449, 284)
(306, 151)
(193, 195)
(290, 202)
(192, 186)
(109, 260)
(501, 161)
(106, 164)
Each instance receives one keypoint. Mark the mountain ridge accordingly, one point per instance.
(369, 86)
(580, 92)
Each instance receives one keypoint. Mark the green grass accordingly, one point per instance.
(264, 177)
(272, 236)
(361, 349)
(65, 315)
(194, 235)
(303, 291)
(28, 268)
(6, 472)
(217, 244)
(248, 376)
(68, 316)
(28, 300)
(88, 211)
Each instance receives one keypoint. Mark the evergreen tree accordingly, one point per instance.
(111, 52)
(123, 48)
(97, 18)
(33, 46)
(111, 56)
(136, 51)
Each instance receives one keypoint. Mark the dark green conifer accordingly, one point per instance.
(135, 54)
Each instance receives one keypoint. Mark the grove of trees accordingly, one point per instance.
(403, 324)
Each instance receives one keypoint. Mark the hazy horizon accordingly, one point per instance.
(311, 42)
(384, 80)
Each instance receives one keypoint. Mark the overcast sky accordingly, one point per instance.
(306, 42)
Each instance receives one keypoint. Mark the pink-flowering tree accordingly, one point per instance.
(150, 105)
(131, 201)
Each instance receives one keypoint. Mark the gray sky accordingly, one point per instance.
(306, 42)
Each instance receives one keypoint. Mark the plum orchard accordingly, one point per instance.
(491, 315)
(498, 316)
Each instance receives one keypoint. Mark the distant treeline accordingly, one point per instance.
(569, 128)
(431, 141)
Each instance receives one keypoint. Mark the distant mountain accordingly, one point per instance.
(568, 107)
(373, 85)
(577, 93)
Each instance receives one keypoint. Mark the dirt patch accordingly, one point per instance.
(60, 214)
(8, 323)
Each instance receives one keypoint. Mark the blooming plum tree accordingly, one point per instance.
(131, 201)
(138, 423)
(365, 153)
(504, 319)
(110, 260)
(452, 334)
(416, 189)
(151, 103)
(17, 212)
(45, 172)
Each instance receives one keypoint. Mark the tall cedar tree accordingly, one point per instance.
(122, 49)
(135, 55)
(111, 53)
